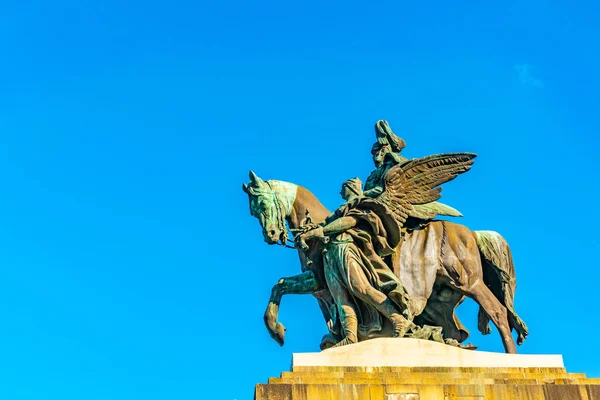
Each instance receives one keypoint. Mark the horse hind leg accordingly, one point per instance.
(515, 322)
(505, 293)
(483, 324)
(496, 312)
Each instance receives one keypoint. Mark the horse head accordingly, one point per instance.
(268, 208)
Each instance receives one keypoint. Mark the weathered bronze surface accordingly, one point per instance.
(382, 265)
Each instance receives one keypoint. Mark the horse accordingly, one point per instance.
(476, 264)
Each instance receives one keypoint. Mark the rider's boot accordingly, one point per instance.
(400, 323)
(349, 326)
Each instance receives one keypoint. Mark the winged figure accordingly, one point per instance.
(386, 155)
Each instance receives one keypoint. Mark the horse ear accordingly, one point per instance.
(245, 188)
(255, 180)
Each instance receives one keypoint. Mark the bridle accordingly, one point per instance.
(284, 239)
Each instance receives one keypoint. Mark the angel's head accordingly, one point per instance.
(383, 153)
(351, 189)
(379, 151)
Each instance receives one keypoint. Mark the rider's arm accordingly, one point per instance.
(339, 225)
(336, 226)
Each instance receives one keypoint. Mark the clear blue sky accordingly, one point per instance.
(131, 266)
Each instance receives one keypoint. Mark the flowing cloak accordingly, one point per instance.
(360, 254)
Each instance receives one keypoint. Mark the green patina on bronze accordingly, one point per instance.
(271, 202)
(381, 264)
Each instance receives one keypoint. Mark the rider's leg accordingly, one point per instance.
(347, 315)
(343, 302)
(363, 289)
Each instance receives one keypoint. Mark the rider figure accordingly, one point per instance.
(358, 236)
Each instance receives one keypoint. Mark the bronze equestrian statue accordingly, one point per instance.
(382, 265)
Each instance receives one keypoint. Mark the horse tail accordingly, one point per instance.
(499, 276)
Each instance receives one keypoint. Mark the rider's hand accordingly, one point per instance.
(316, 233)
(313, 233)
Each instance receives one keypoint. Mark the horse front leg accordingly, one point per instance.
(304, 283)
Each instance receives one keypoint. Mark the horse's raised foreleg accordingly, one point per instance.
(304, 283)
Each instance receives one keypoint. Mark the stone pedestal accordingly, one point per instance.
(412, 369)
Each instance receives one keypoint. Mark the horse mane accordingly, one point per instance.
(294, 199)
(306, 200)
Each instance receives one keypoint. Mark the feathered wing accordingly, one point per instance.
(432, 210)
(418, 181)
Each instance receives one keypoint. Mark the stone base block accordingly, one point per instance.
(359, 372)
